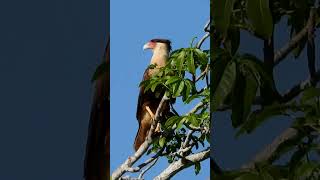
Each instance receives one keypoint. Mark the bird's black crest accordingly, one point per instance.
(166, 41)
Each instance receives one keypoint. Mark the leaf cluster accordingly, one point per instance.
(180, 79)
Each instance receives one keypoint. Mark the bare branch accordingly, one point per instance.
(284, 51)
(187, 140)
(297, 89)
(205, 72)
(267, 152)
(181, 164)
(199, 44)
(207, 26)
(207, 30)
(149, 167)
(311, 53)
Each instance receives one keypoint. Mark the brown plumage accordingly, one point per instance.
(161, 49)
(97, 157)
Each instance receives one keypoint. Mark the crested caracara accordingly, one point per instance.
(148, 101)
(97, 157)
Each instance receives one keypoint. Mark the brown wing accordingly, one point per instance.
(152, 100)
(142, 95)
(96, 161)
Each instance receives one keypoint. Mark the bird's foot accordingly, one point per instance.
(150, 112)
(158, 128)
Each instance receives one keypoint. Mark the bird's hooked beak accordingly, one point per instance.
(149, 45)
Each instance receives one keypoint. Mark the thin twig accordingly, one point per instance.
(297, 89)
(149, 167)
(203, 73)
(187, 140)
(284, 51)
(267, 152)
(199, 44)
(174, 111)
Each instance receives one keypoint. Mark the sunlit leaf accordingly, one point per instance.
(197, 167)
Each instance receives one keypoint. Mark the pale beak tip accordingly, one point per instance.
(145, 46)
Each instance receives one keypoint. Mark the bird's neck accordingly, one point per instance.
(160, 57)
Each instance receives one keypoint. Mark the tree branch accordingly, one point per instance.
(267, 152)
(311, 53)
(284, 51)
(181, 164)
(149, 167)
(143, 148)
(207, 30)
(297, 89)
(205, 72)
(199, 44)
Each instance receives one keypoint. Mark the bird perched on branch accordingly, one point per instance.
(148, 101)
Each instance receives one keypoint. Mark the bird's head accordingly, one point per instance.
(157, 44)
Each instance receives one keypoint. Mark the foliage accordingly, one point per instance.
(183, 138)
(238, 81)
(181, 79)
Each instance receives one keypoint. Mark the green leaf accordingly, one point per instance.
(232, 41)
(192, 119)
(188, 89)
(225, 85)
(309, 94)
(201, 56)
(180, 60)
(255, 66)
(151, 82)
(190, 63)
(249, 176)
(305, 170)
(180, 89)
(172, 120)
(197, 167)
(154, 85)
(172, 79)
(243, 98)
(259, 116)
(162, 141)
(190, 98)
(221, 12)
(180, 124)
(175, 87)
(259, 14)
(152, 66)
(266, 176)
(218, 65)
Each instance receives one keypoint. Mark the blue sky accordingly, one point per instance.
(133, 23)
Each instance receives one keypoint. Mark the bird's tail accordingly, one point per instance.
(140, 137)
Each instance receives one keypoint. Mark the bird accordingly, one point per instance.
(148, 101)
(97, 156)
